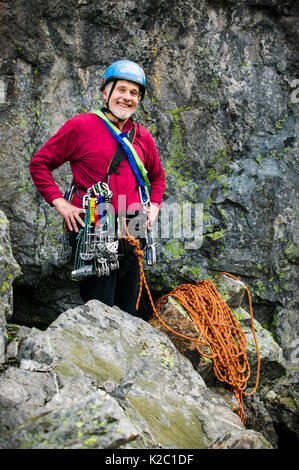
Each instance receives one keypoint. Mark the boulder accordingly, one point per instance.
(232, 290)
(93, 421)
(272, 360)
(287, 333)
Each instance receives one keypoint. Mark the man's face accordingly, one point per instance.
(124, 99)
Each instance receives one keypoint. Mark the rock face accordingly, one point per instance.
(222, 104)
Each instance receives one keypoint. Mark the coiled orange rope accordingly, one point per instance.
(218, 329)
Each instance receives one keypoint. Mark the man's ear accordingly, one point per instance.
(105, 96)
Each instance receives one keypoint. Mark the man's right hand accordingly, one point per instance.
(70, 213)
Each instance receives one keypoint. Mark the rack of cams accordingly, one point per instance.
(96, 248)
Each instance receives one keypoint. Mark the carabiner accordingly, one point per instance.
(85, 202)
(151, 256)
(147, 205)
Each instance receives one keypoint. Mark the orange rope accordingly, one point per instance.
(217, 326)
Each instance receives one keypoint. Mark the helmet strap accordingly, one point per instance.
(111, 91)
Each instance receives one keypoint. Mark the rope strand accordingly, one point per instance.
(217, 326)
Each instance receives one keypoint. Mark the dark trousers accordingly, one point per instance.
(120, 288)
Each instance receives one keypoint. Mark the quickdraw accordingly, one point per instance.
(97, 247)
(150, 247)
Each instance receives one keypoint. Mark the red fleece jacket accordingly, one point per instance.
(88, 145)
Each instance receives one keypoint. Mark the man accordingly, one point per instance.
(88, 142)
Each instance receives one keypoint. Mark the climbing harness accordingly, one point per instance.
(142, 181)
(217, 328)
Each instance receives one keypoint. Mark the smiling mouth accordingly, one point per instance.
(124, 105)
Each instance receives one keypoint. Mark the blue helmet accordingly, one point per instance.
(125, 70)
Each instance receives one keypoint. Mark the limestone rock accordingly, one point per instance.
(176, 319)
(9, 268)
(272, 361)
